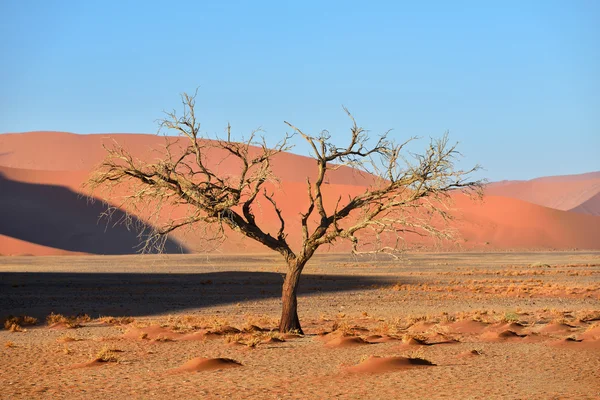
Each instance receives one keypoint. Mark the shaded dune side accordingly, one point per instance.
(590, 207)
(57, 217)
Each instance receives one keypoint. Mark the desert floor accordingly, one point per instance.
(496, 325)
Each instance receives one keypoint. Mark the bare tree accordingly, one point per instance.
(406, 194)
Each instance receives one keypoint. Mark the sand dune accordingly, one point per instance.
(42, 211)
(61, 151)
(567, 192)
(53, 216)
(590, 206)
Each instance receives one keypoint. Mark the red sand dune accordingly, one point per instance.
(389, 364)
(42, 211)
(61, 151)
(207, 364)
(346, 341)
(567, 192)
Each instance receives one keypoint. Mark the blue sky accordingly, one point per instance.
(516, 83)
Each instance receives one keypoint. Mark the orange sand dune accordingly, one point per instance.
(567, 192)
(61, 151)
(43, 212)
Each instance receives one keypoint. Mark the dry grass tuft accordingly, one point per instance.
(16, 324)
(116, 320)
(70, 322)
(107, 354)
(9, 345)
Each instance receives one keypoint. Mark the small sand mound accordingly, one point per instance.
(512, 326)
(413, 341)
(501, 336)
(388, 364)
(200, 335)
(468, 354)
(421, 327)
(509, 334)
(346, 341)
(153, 332)
(273, 340)
(468, 326)
(577, 344)
(380, 338)
(591, 334)
(207, 364)
(556, 328)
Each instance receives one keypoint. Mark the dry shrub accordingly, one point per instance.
(234, 338)
(262, 320)
(185, 323)
(250, 341)
(15, 324)
(71, 322)
(343, 328)
(107, 354)
(116, 320)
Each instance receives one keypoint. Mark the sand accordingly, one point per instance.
(505, 325)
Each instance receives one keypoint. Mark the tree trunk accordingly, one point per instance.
(289, 314)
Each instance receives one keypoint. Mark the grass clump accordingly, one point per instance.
(107, 354)
(116, 320)
(70, 322)
(16, 324)
(510, 316)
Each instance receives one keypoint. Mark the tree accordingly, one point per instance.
(404, 195)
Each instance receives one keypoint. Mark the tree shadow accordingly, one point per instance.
(134, 294)
(58, 217)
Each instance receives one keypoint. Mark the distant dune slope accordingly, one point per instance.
(43, 213)
(566, 192)
(590, 206)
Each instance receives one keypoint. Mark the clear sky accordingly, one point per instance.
(517, 83)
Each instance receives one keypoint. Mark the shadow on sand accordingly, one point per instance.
(58, 217)
(134, 294)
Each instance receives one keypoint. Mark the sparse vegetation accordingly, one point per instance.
(116, 320)
(16, 324)
(70, 322)
(107, 354)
